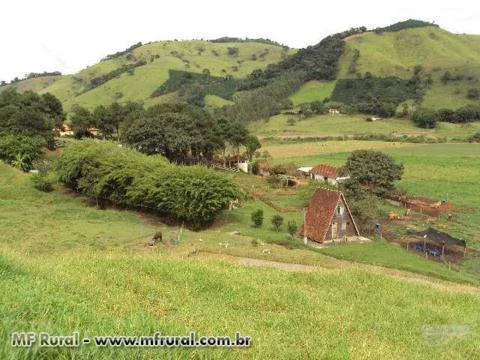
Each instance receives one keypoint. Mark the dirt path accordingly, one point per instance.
(278, 265)
(392, 273)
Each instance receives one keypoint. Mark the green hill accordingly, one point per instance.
(448, 63)
(134, 75)
(67, 267)
(397, 53)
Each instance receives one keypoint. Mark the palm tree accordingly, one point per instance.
(22, 161)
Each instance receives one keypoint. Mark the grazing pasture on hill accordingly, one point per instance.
(69, 267)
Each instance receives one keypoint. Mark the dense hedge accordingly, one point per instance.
(464, 114)
(224, 87)
(107, 173)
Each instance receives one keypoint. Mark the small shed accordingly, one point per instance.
(328, 217)
(327, 173)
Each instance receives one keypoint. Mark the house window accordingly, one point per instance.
(339, 210)
(344, 225)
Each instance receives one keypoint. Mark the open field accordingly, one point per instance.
(69, 267)
(339, 125)
(314, 90)
(396, 53)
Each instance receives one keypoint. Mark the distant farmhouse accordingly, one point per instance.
(328, 217)
(328, 174)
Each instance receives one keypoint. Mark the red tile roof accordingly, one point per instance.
(326, 170)
(320, 213)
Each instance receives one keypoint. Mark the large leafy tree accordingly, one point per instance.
(372, 172)
(180, 132)
(81, 119)
(29, 113)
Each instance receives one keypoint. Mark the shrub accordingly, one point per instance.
(474, 138)
(257, 217)
(255, 168)
(254, 242)
(42, 182)
(275, 181)
(292, 227)
(277, 222)
(473, 94)
(125, 177)
(15, 148)
(425, 118)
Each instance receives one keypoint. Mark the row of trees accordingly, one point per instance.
(182, 133)
(427, 118)
(107, 119)
(318, 62)
(124, 177)
(265, 101)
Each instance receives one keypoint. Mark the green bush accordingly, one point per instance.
(275, 181)
(125, 177)
(42, 182)
(474, 138)
(257, 217)
(277, 222)
(425, 118)
(292, 227)
(20, 150)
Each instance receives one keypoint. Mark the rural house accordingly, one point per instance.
(327, 173)
(328, 217)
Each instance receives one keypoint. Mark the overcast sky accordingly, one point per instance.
(49, 35)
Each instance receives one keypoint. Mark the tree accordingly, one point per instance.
(252, 144)
(53, 108)
(365, 211)
(372, 171)
(81, 119)
(237, 135)
(257, 217)
(292, 227)
(170, 134)
(277, 222)
(425, 118)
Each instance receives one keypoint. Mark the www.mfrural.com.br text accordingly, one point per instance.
(44, 339)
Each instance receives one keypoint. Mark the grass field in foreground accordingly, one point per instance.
(67, 267)
(338, 125)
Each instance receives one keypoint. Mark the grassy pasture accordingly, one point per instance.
(338, 125)
(313, 91)
(68, 267)
(436, 50)
(161, 56)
